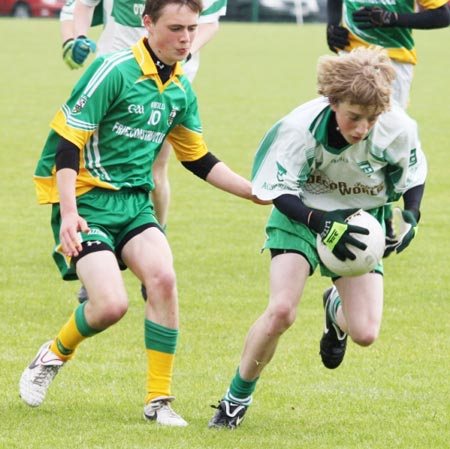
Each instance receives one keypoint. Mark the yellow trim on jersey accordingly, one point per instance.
(77, 136)
(432, 4)
(397, 54)
(145, 61)
(188, 145)
(148, 67)
(47, 189)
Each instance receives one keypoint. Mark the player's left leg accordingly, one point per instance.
(149, 256)
(353, 307)
(362, 307)
(102, 277)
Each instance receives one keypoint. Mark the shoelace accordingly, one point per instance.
(45, 375)
(168, 408)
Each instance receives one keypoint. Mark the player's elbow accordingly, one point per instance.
(444, 16)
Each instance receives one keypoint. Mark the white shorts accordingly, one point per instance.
(190, 69)
(401, 86)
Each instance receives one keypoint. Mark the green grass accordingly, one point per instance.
(394, 394)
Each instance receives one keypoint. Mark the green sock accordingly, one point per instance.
(333, 308)
(241, 390)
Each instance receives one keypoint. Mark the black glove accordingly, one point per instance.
(335, 232)
(374, 17)
(337, 37)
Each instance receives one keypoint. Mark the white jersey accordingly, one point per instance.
(294, 158)
(212, 11)
(123, 25)
(122, 21)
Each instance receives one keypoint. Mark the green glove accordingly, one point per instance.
(67, 55)
(82, 48)
(335, 232)
(407, 230)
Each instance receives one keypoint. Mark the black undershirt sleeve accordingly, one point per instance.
(67, 155)
(292, 206)
(334, 12)
(425, 20)
(412, 199)
(201, 167)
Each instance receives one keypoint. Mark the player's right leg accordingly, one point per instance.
(288, 274)
(101, 274)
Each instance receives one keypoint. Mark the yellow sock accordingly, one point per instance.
(67, 340)
(159, 374)
(72, 334)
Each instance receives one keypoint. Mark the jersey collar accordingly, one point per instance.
(146, 62)
(319, 129)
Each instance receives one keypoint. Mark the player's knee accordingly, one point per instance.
(162, 285)
(365, 336)
(109, 309)
(281, 318)
(117, 311)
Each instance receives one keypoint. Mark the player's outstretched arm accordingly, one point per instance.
(375, 17)
(222, 177)
(218, 174)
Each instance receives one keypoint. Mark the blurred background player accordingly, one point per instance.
(122, 28)
(388, 25)
(334, 140)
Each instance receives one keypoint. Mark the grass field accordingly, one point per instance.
(395, 394)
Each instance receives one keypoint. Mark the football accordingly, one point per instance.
(365, 260)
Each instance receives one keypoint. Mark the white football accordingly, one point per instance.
(365, 260)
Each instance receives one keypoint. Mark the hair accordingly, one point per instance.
(363, 77)
(153, 8)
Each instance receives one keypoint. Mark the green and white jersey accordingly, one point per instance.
(398, 42)
(213, 10)
(123, 24)
(118, 115)
(97, 19)
(295, 158)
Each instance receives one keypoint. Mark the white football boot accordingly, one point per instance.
(159, 410)
(38, 376)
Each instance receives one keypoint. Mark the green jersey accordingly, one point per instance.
(118, 115)
(128, 13)
(124, 15)
(398, 41)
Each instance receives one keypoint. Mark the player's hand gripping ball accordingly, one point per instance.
(366, 260)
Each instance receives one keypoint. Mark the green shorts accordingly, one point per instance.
(112, 216)
(282, 233)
